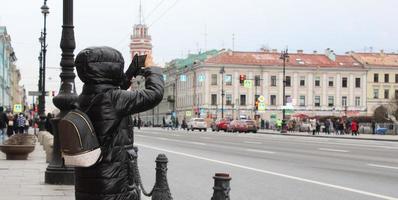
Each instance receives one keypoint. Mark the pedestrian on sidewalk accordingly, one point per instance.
(164, 122)
(139, 123)
(21, 123)
(354, 128)
(327, 126)
(101, 71)
(10, 124)
(3, 125)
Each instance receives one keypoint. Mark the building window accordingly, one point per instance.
(302, 80)
(331, 80)
(288, 99)
(213, 99)
(357, 82)
(242, 99)
(386, 78)
(288, 81)
(317, 101)
(376, 78)
(273, 80)
(228, 98)
(396, 78)
(344, 82)
(396, 94)
(375, 93)
(344, 101)
(214, 79)
(302, 100)
(273, 100)
(331, 101)
(228, 79)
(317, 81)
(386, 94)
(357, 101)
(257, 80)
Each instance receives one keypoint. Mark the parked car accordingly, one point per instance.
(237, 126)
(222, 124)
(251, 126)
(197, 123)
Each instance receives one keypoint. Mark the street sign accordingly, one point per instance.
(183, 77)
(164, 77)
(201, 78)
(202, 111)
(228, 78)
(248, 84)
(261, 98)
(36, 93)
(261, 106)
(188, 113)
(18, 108)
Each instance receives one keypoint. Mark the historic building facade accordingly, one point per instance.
(382, 78)
(8, 82)
(316, 85)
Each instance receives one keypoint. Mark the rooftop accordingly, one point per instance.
(377, 59)
(273, 59)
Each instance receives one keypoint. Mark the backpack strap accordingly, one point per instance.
(93, 101)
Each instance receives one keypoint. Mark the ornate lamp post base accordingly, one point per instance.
(57, 173)
(60, 176)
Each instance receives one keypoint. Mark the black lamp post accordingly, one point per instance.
(42, 39)
(222, 71)
(284, 57)
(39, 86)
(56, 172)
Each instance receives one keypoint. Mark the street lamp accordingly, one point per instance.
(42, 39)
(57, 172)
(284, 57)
(222, 71)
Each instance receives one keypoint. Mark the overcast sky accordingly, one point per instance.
(180, 26)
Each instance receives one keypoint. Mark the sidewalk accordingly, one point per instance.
(392, 138)
(24, 179)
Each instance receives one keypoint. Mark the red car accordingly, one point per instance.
(237, 126)
(221, 124)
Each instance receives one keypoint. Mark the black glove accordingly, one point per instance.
(135, 67)
(134, 70)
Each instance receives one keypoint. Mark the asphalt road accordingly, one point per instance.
(271, 167)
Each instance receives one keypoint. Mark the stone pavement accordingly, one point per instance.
(24, 179)
(393, 138)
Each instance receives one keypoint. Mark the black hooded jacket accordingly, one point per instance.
(101, 70)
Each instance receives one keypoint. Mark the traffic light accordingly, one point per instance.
(52, 93)
(257, 104)
(242, 78)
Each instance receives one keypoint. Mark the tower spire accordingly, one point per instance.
(140, 12)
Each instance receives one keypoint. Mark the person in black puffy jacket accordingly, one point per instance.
(101, 70)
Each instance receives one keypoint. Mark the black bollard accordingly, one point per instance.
(221, 187)
(161, 190)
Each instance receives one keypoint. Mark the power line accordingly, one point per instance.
(154, 9)
(164, 13)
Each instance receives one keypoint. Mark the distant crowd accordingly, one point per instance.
(19, 123)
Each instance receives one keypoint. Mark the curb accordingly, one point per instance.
(335, 137)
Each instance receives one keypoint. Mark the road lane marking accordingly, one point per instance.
(382, 166)
(259, 151)
(173, 140)
(334, 150)
(250, 142)
(206, 138)
(274, 173)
